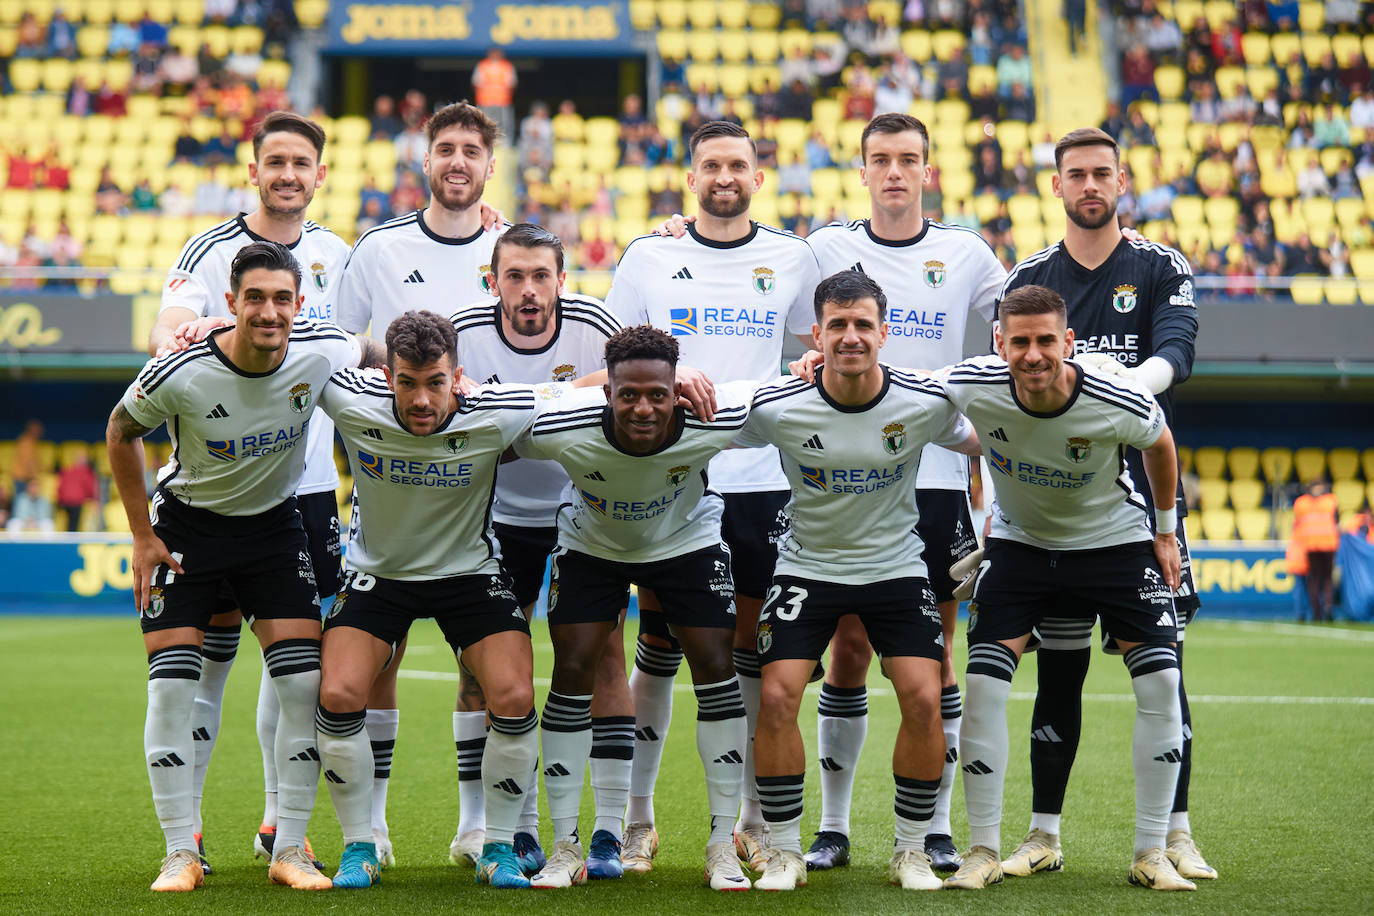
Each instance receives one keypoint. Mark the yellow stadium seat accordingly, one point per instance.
(1367, 464)
(1209, 461)
(1315, 46)
(1185, 458)
(1307, 290)
(946, 43)
(1169, 82)
(1212, 493)
(1310, 464)
(1229, 80)
(1259, 80)
(764, 47)
(1218, 524)
(26, 74)
(1246, 494)
(1346, 47)
(672, 44)
(1277, 464)
(246, 39)
(701, 14)
(1219, 14)
(1350, 495)
(734, 82)
(1343, 463)
(1243, 462)
(312, 13)
(791, 39)
(1254, 46)
(765, 16)
(916, 44)
(1254, 524)
(701, 45)
(1311, 15)
(1341, 290)
(1284, 45)
(98, 12)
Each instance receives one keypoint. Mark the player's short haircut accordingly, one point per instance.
(263, 255)
(894, 123)
(463, 114)
(640, 342)
(713, 130)
(1085, 136)
(850, 286)
(527, 235)
(291, 123)
(421, 338)
(1033, 300)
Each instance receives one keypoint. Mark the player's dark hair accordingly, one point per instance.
(266, 256)
(1033, 300)
(894, 123)
(526, 235)
(463, 114)
(420, 338)
(1085, 136)
(640, 342)
(849, 286)
(291, 123)
(712, 130)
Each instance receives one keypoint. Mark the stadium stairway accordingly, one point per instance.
(1070, 87)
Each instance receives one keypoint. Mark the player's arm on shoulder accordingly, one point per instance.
(697, 392)
(169, 321)
(371, 354)
(1161, 470)
(960, 435)
(1174, 324)
(124, 442)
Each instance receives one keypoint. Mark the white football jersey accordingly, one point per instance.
(238, 439)
(403, 265)
(528, 491)
(851, 469)
(200, 278)
(932, 282)
(1061, 480)
(424, 501)
(636, 508)
(730, 305)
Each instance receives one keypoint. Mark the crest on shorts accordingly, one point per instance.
(456, 442)
(1123, 298)
(338, 604)
(317, 275)
(156, 603)
(1078, 449)
(678, 474)
(564, 373)
(553, 595)
(894, 437)
(934, 274)
(765, 638)
(482, 279)
(763, 280)
(300, 397)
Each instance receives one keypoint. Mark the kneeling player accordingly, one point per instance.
(1069, 538)
(853, 549)
(424, 463)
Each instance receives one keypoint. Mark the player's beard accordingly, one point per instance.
(456, 199)
(726, 209)
(266, 199)
(529, 327)
(1083, 222)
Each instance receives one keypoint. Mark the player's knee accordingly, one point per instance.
(920, 704)
(511, 699)
(779, 702)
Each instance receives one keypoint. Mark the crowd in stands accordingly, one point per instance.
(1278, 112)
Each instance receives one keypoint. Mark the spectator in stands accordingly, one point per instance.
(187, 148)
(818, 151)
(1020, 106)
(211, 197)
(536, 135)
(371, 214)
(109, 197)
(1157, 203)
(828, 64)
(1330, 128)
(1312, 180)
(797, 66)
(952, 75)
(1302, 257)
(76, 489)
(143, 199)
(794, 177)
(767, 101)
(408, 195)
(61, 36)
(709, 104)
(566, 223)
(220, 11)
(493, 86)
(796, 101)
(235, 100)
(1324, 81)
(1138, 131)
(220, 150)
(30, 38)
(1137, 76)
(175, 202)
(892, 94)
(6, 501)
(207, 63)
(22, 172)
(981, 47)
(1283, 15)
(1362, 109)
(177, 72)
(123, 40)
(858, 94)
(983, 104)
(80, 99)
(152, 32)
(1076, 15)
(1114, 123)
(147, 62)
(25, 464)
(597, 253)
(1013, 67)
(111, 101)
(384, 124)
(1163, 38)
(1239, 108)
(658, 149)
(820, 12)
(1303, 132)
(1344, 183)
(671, 70)
(1316, 531)
(32, 511)
(411, 145)
(1204, 109)
(632, 120)
(1354, 74)
(665, 201)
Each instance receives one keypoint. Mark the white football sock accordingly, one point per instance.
(268, 713)
(167, 745)
(1157, 745)
(507, 762)
(750, 688)
(951, 717)
(781, 799)
(469, 740)
(566, 735)
(651, 686)
(346, 758)
(914, 805)
(382, 725)
(721, 737)
(295, 668)
(217, 657)
(613, 746)
(841, 726)
(983, 740)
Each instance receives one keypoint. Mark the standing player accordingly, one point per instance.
(424, 459)
(728, 290)
(851, 442)
(1131, 305)
(535, 333)
(238, 407)
(638, 510)
(1070, 537)
(287, 169)
(934, 275)
(436, 259)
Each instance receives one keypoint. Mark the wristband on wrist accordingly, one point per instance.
(1166, 520)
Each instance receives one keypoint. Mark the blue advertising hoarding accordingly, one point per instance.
(571, 28)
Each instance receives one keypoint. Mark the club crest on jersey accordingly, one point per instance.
(763, 280)
(300, 397)
(547, 392)
(894, 437)
(1123, 299)
(564, 373)
(765, 638)
(934, 274)
(682, 322)
(317, 275)
(223, 449)
(156, 603)
(813, 477)
(596, 503)
(456, 442)
(1078, 449)
(678, 474)
(482, 279)
(370, 465)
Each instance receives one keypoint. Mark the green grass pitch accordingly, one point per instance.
(1282, 785)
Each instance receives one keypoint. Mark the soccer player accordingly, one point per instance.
(238, 408)
(638, 509)
(437, 259)
(424, 461)
(851, 444)
(288, 168)
(1069, 537)
(934, 276)
(536, 333)
(1131, 307)
(729, 290)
